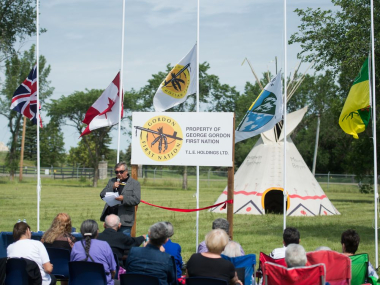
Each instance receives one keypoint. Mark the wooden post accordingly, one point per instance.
(22, 150)
(134, 175)
(230, 187)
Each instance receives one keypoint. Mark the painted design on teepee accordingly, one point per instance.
(248, 210)
(262, 170)
(324, 211)
(301, 210)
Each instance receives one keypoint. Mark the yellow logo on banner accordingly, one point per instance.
(161, 138)
(177, 82)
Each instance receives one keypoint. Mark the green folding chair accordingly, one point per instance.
(359, 268)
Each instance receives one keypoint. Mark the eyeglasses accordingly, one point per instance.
(121, 172)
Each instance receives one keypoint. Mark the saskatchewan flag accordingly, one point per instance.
(356, 111)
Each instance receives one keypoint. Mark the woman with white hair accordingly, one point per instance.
(232, 249)
(211, 264)
(295, 255)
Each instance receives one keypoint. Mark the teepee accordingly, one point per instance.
(259, 180)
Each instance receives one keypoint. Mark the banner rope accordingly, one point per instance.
(190, 210)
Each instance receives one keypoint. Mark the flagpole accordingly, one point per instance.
(38, 120)
(376, 194)
(121, 84)
(197, 220)
(284, 125)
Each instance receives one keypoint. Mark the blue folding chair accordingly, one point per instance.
(205, 281)
(138, 279)
(60, 258)
(247, 262)
(16, 272)
(83, 272)
(22, 271)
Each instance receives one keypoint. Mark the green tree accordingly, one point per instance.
(340, 41)
(17, 69)
(17, 21)
(70, 111)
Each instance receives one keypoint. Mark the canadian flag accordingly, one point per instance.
(105, 111)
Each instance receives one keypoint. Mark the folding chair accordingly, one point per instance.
(264, 258)
(60, 258)
(275, 274)
(83, 272)
(22, 271)
(359, 268)
(138, 279)
(205, 281)
(247, 262)
(338, 265)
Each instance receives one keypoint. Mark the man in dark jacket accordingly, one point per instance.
(129, 191)
(119, 242)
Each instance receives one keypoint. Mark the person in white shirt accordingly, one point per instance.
(290, 235)
(25, 247)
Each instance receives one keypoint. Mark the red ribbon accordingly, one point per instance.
(191, 210)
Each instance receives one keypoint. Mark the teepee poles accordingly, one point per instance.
(372, 88)
(284, 125)
(121, 84)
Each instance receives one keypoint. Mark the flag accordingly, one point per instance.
(264, 113)
(24, 99)
(104, 112)
(178, 84)
(356, 110)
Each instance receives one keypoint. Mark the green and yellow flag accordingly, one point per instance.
(356, 111)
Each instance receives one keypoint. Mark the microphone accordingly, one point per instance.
(117, 188)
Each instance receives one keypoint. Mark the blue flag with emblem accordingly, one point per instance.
(264, 113)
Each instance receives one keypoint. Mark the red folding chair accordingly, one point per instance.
(275, 274)
(264, 258)
(338, 265)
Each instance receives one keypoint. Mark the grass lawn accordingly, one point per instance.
(254, 233)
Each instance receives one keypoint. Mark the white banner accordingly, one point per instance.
(180, 138)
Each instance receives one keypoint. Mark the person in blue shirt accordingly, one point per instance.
(174, 249)
(149, 260)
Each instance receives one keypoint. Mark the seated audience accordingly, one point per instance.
(210, 263)
(290, 235)
(59, 234)
(295, 255)
(92, 250)
(219, 223)
(232, 249)
(350, 240)
(119, 242)
(150, 260)
(174, 249)
(25, 247)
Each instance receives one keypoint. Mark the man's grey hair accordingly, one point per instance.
(122, 163)
(295, 255)
(170, 229)
(322, 248)
(232, 249)
(221, 224)
(158, 233)
(112, 221)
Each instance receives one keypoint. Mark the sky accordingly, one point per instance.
(83, 42)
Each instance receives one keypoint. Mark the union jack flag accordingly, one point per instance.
(24, 99)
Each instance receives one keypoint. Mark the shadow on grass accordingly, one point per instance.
(351, 201)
